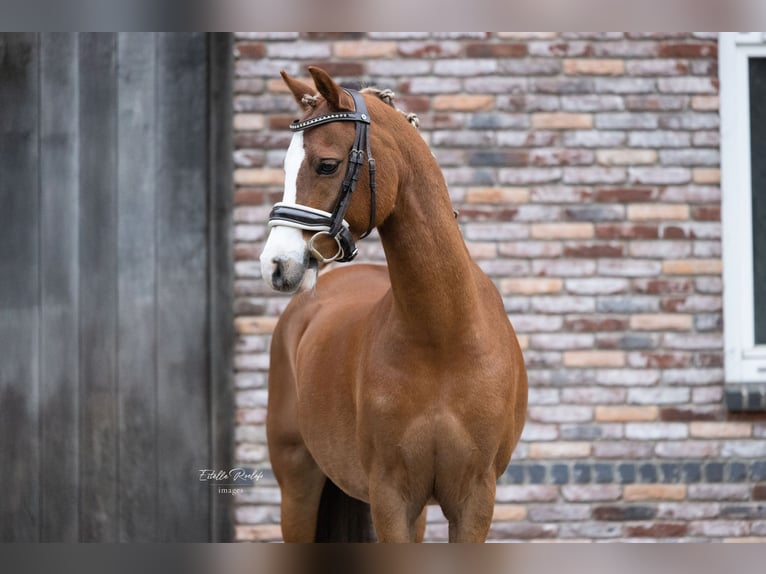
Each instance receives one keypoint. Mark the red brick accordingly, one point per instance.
(252, 50)
(244, 251)
(656, 103)
(626, 231)
(417, 104)
(488, 214)
(707, 213)
(485, 50)
(429, 49)
(694, 303)
(657, 530)
(280, 123)
(625, 194)
(656, 68)
(705, 360)
(688, 51)
(593, 250)
(558, 156)
(559, 49)
(594, 323)
(663, 286)
(249, 196)
(676, 414)
(659, 359)
(624, 513)
(759, 492)
(351, 69)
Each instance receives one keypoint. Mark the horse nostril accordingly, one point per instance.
(278, 275)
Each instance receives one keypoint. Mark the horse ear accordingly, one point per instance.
(300, 90)
(336, 97)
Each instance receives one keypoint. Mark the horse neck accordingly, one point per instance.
(433, 278)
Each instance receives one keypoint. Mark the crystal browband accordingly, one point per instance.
(297, 125)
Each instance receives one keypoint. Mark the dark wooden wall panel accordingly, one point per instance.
(115, 286)
(220, 208)
(59, 268)
(19, 288)
(98, 288)
(182, 282)
(137, 306)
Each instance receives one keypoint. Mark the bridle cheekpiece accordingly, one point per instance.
(333, 224)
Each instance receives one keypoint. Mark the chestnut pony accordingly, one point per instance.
(390, 387)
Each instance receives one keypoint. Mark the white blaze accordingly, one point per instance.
(286, 241)
(293, 161)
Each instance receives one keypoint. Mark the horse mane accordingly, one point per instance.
(387, 96)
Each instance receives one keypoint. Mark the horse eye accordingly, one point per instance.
(327, 167)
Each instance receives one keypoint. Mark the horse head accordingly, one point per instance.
(332, 195)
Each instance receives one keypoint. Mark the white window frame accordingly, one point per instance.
(745, 362)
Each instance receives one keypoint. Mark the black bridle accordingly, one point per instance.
(333, 224)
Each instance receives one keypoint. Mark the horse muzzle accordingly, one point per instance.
(287, 274)
(285, 259)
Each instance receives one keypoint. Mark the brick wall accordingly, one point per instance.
(586, 171)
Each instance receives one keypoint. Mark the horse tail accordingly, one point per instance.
(342, 518)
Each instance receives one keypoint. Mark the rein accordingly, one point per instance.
(333, 224)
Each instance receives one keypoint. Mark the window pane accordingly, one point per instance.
(758, 162)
